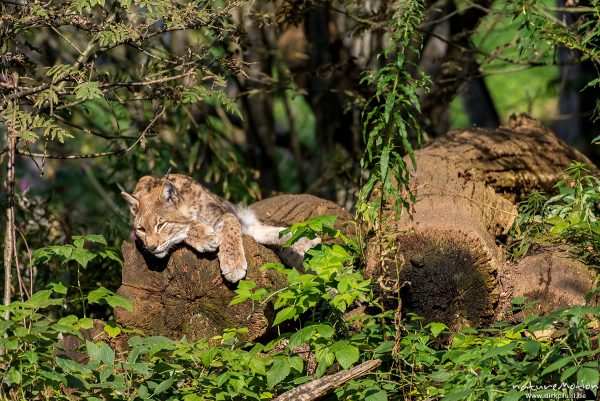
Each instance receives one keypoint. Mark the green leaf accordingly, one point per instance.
(532, 347)
(86, 323)
(375, 395)
(570, 371)
(96, 295)
(13, 376)
(117, 300)
(557, 365)
(88, 91)
(458, 395)
(163, 386)
(588, 377)
(82, 257)
(112, 329)
(347, 355)
(513, 395)
(193, 397)
(59, 288)
(499, 351)
(278, 372)
(436, 328)
(107, 354)
(258, 366)
(296, 363)
(285, 314)
(384, 161)
(325, 330)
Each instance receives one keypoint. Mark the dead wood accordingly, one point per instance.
(444, 256)
(551, 276)
(514, 159)
(318, 388)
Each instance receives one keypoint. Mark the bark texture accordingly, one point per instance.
(550, 275)
(514, 159)
(185, 294)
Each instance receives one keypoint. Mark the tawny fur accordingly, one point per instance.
(175, 209)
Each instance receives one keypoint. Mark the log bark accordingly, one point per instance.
(445, 259)
(550, 275)
(185, 294)
(514, 159)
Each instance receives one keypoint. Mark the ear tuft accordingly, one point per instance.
(169, 192)
(134, 204)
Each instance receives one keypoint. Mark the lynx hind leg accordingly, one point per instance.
(202, 237)
(231, 250)
(292, 256)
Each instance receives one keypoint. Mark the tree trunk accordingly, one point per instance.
(445, 260)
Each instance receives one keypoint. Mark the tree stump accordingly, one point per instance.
(185, 294)
(443, 256)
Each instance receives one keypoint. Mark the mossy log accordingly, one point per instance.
(185, 294)
(443, 256)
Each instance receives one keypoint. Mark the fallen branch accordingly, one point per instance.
(325, 385)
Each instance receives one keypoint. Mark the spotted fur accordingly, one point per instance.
(175, 209)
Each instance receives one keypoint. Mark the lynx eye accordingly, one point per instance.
(160, 226)
(141, 230)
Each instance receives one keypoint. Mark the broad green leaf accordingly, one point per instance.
(86, 323)
(285, 314)
(112, 329)
(588, 377)
(278, 372)
(532, 347)
(436, 328)
(117, 300)
(375, 395)
(107, 354)
(163, 386)
(347, 355)
(458, 395)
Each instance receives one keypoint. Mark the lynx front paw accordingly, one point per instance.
(202, 238)
(233, 262)
(234, 271)
(208, 244)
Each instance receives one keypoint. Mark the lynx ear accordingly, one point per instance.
(134, 204)
(169, 192)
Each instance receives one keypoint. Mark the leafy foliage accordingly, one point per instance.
(390, 117)
(569, 217)
(423, 361)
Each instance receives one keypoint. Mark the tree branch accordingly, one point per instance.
(325, 385)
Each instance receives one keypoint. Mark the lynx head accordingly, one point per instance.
(159, 220)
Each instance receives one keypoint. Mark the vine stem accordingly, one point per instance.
(9, 233)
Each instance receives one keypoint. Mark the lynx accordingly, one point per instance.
(176, 209)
